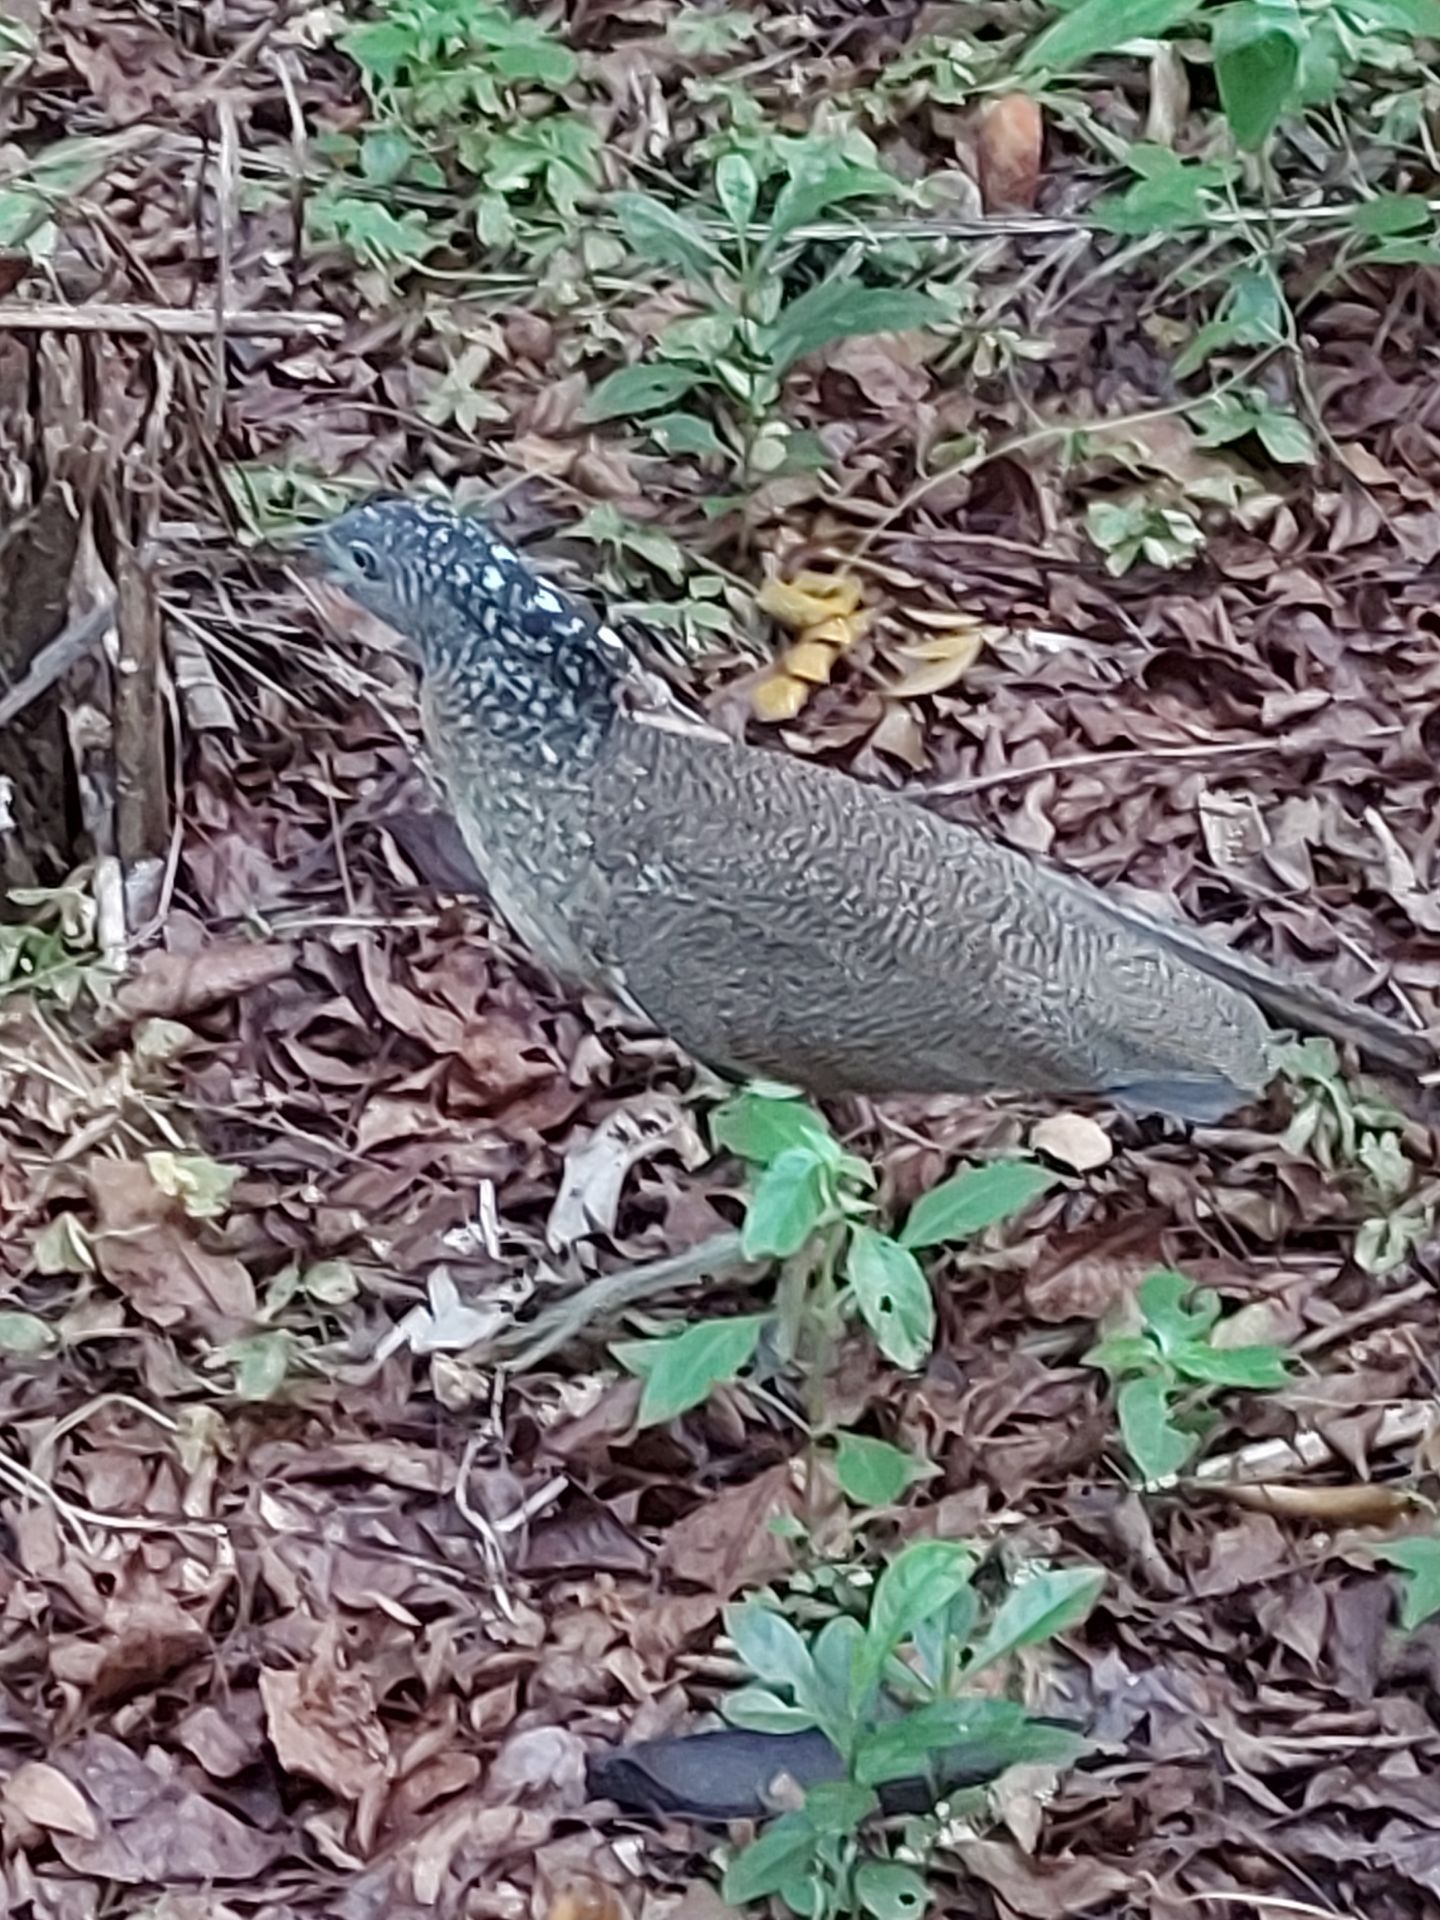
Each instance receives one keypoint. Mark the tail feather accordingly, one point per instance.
(1307, 1007)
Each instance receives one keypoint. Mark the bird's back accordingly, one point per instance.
(777, 917)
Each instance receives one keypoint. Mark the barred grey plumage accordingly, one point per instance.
(775, 917)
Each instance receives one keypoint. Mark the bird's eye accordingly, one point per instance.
(365, 560)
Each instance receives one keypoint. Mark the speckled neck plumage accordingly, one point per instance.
(509, 657)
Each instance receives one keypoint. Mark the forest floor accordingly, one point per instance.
(1117, 483)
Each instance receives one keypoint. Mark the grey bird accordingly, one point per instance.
(777, 918)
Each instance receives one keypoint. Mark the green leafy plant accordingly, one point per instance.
(53, 952)
(1169, 193)
(1137, 527)
(1357, 1134)
(1419, 1561)
(1271, 58)
(811, 1210)
(893, 1690)
(465, 96)
(733, 354)
(1227, 417)
(1167, 1369)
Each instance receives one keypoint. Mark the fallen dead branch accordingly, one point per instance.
(54, 660)
(199, 322)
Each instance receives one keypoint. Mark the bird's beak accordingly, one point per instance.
(306, 552)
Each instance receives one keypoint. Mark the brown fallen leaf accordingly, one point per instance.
(172, 985)
(940, 660)
(1089, 1271)
(42, 1795)
(1074, 1140)
(1009, 149)
(587, 1900)
(729, 1542)
(596, 1168)
(323, 1723)
(145, 1247)
(1043, 1890)
(144, 1636)
(151, 1829)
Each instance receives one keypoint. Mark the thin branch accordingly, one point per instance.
(54, 659)
(533, 1341)
(200, 322)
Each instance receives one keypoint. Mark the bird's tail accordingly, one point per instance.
(1382, 1042)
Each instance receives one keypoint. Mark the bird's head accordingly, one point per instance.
(420, 566)
(477, 615)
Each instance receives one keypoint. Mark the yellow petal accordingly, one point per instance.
(842, 631)
(808, 599)
(779, 698)
(809, 660)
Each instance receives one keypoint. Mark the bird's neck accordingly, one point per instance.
(542, 693)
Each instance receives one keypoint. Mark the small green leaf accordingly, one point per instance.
(1257, 58)
(838, 310)
(382, 49)
(1125, 1353)
(1163, 1296)
(680, 1370)
(737, 190)
(1258, 1366)
(1101, 26)
(63, 1247)
(760, 1711)
(1152, 1440)
(893, 1296)
(1253, 314)
(1285, 438)
(836, 1651)
(896, 1748)
(332, 1283)
(760, 1128)
(1403, 252)
(1419, 1558)
(1224, 417)
(687, 433)
(200, 1184)
(698, 34)
(972, 1199)
(977, 1739)
(664, 237)
(1171, 193)
(790, 1201)
(548, 63)
(385, 153)
(820, 177)
(25, 1333)
(632, 391)
(1391, 213)
(371, 232)
(784, 1851)
(772, 1649)
(924, 1578)
(889, 1890)
(872, 1473)
(838, 1806)
(1037, 1609)
(261, 1363)
(1420, 17)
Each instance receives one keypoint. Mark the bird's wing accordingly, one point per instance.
(780, 917)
